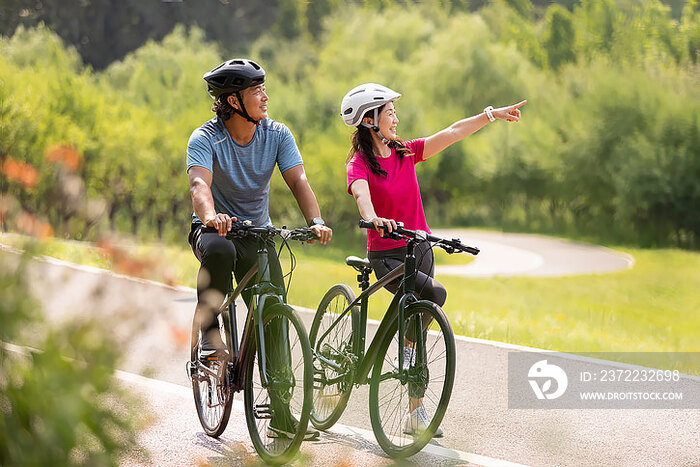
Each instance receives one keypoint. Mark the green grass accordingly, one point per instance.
(654, 307)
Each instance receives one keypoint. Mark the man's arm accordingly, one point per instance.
(299, 185)
(203, 202)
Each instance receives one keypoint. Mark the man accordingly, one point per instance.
(230, 161)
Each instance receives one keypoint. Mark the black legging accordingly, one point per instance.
(427, 288)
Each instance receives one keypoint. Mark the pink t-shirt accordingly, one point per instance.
(394, 196)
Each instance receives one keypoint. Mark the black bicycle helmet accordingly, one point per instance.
(233, 76)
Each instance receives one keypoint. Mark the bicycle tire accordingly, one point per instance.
(330, 400)
(213, 396)
(256, 399)
(386, 403)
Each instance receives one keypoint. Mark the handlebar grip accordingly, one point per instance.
(236, 228)
(394, 235)
(472, 250)
(365, 224)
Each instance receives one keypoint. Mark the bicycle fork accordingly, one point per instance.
(407, 298)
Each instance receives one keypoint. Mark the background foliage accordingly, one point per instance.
(608, 146)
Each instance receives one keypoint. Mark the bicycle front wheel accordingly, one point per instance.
(331, 337)
(211, 386)
(278, 415)
(426, 379)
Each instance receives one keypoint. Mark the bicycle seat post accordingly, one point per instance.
(363, 279)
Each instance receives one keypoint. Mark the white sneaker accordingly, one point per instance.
(417, 422)
(409, 358)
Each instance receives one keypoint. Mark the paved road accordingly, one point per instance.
(506, 254)
(480, 428)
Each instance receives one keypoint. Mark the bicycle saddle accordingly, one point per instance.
(358, 263)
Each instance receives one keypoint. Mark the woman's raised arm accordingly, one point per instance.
(465, 127)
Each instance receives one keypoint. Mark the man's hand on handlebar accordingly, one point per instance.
(383, 225)
(323, 232)
(221, 222)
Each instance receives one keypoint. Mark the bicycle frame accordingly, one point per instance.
(263, 291)
(395, 311)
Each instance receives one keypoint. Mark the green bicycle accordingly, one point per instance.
(421, 370)
(273, 380)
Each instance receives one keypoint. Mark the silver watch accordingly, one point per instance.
(316, 221)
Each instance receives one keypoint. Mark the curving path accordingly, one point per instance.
(508, 254)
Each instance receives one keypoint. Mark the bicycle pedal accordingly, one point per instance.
(262, 411)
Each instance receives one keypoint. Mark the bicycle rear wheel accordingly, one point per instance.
(429, 377)
(211, 387)
(332, 386)
(289, 391)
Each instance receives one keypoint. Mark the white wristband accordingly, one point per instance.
(489, 113)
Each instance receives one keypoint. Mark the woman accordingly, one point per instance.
(381, 176)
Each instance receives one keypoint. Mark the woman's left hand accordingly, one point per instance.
(510, 113)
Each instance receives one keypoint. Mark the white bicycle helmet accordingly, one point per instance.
(365, 97)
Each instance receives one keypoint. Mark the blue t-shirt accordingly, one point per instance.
(241, 174)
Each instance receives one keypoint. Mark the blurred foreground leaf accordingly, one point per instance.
(60, 405)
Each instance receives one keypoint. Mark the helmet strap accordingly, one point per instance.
(243, 112)
(374, 126)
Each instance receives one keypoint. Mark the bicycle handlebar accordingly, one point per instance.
(449, 245)
(244, 228)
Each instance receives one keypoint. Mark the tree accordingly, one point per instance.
(559, 37)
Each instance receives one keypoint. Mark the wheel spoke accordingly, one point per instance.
(285, 399)
(332, 334)
(429, 382)
(212, 401)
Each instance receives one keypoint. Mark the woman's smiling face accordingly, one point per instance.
(388, 121)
